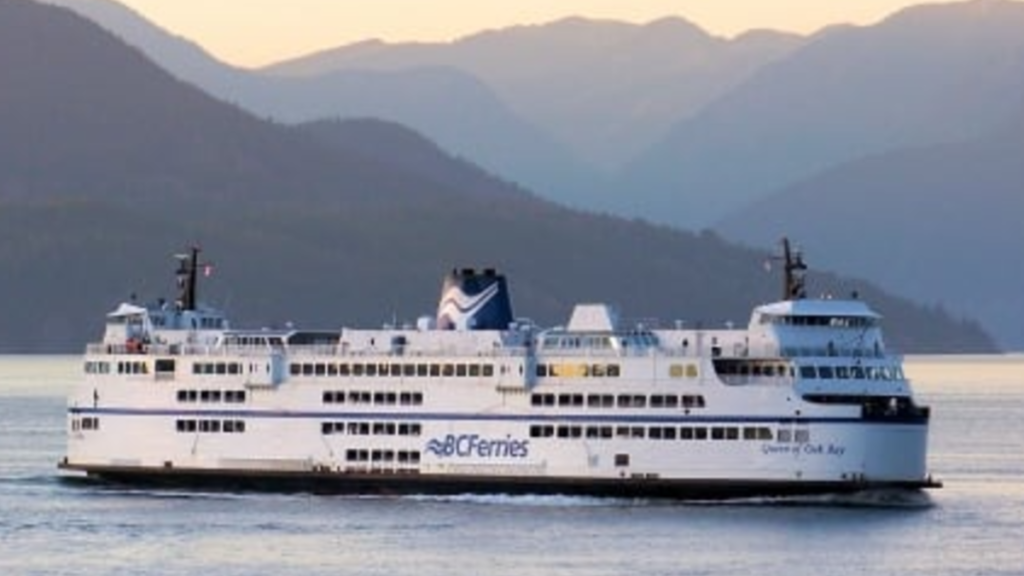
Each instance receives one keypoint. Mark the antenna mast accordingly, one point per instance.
(794, 272)
(188, 273)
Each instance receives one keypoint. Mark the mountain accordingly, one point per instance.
(455, 108)
(176, 54)
(938, 223)
(110, 165)
(605, 89)
(77, 110)
(926, 75)
(556, 108)
(396, 145)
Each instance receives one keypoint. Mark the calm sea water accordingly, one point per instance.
(975, 525)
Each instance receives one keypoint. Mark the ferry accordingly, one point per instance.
(806, 399)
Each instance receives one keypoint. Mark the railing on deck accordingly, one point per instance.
(833, 351)
(307, 351)
(726, 350)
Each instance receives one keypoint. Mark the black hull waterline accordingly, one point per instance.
(329, 482)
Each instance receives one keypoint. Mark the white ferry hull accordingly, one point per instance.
(643, 453)
(804, 401)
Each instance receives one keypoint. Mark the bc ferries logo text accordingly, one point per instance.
(470, 445)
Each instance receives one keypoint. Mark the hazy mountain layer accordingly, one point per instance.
(927, 75)
(455, 108)
(605, 89)
(940, 223)
(110, 165)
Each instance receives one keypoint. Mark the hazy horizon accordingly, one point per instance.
(267, 32)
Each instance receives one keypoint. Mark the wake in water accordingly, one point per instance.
(879, 498)
(106, 488)
(538, 500)
(887, 498)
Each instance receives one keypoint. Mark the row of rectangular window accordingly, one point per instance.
(830, 321)
(753, 368)
(211, 426)
(137, 367)
(86, 423)
(798, 436)
(366, 397)
(657, 432)
(217, 368)
(400, 456)
(852, 372)
(96, 367)
(372, 428)
(228, 396)
(134, 367)
(622, 400)
(587, 342)
(407, 370)
(577, 370)
(688, 370)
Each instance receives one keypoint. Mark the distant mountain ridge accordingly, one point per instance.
(455, 108)
(926, 75)
(556, 107)
(939, 223)
(605, 89)
(699, 125)
(110, 165)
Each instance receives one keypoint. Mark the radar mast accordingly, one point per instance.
(187, 275)
(794, 273)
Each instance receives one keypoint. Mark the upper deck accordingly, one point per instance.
(785, 341)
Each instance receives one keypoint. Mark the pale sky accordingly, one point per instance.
(258, 32)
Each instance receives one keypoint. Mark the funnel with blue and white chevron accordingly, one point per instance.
(472, 300)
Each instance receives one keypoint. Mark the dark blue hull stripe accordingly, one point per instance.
(464, 417)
